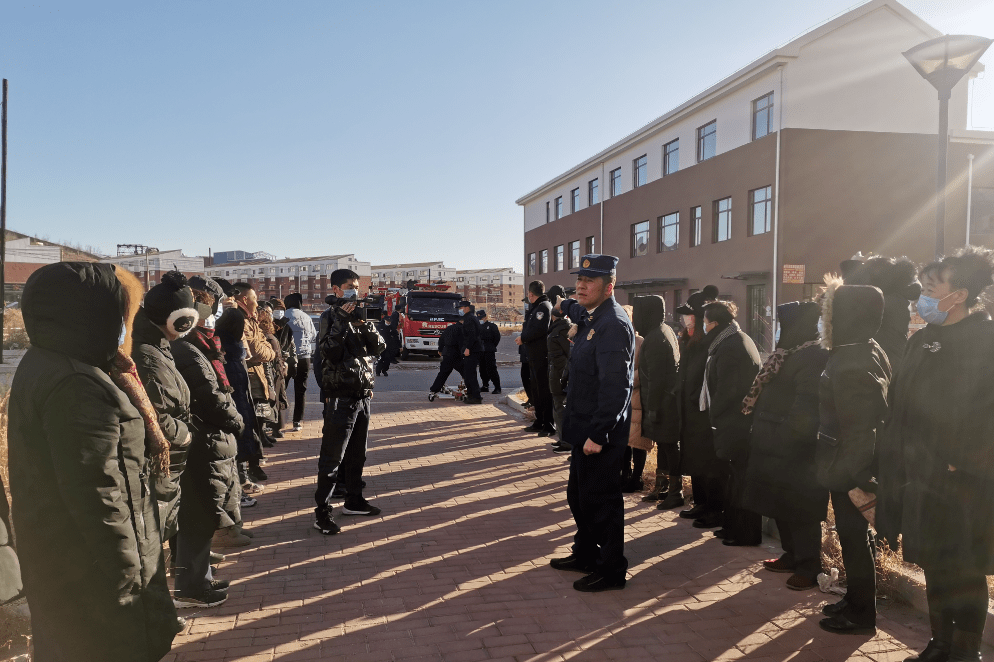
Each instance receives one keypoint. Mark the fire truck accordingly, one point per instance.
(425, 311)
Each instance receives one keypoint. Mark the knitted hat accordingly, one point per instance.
(170, 304)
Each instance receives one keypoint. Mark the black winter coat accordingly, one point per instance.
(248, 442)
(169, 394)
(535, 330)
(472, 333)
(491, 336)
(90, 552)
(347, 352)
(732, 367)
(659, 381)
(697, 456)
(450, 342)
(942, 403)
(558, 348)
(211, 486)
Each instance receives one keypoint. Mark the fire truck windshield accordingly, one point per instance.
(418, 307)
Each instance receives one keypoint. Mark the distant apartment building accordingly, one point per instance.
(486, 286)
(397, 275)
(306, 275)
(26, 254)
(227, 257)
(768, 179)
(149, 267)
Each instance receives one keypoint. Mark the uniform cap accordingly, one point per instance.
(597, 265)
(464, 304)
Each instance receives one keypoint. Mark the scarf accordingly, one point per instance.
(210, 346)
(769, 370)
(124, 373)
(726, 333)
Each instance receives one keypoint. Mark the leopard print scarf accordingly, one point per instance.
(124, 373)
(768, 372)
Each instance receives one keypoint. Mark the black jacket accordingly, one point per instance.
(89, 547)
(659, 361)
(491, 336)
(472, 333)
(853, 388)
(697, 456)
(229, 331)
(558, 348)
(347, 352)
(733, 365)
(941, 404)
(288, 348)
(169, 394)
(450, 342)
(535, 330)
(780, 477)
(211, 474)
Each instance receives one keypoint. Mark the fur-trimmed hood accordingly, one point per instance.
(850, 314)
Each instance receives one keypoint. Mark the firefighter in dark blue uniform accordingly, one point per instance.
(596, 423)
(472, 351)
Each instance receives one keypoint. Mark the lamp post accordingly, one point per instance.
(943, 62)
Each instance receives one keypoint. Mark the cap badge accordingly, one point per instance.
(586, 264)
(590, 336)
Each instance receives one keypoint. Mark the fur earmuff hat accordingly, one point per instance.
(170, 305)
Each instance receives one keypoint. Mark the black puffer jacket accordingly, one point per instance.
(90, 552)
(347, 352)
(558, 346)
(169, 394)
(659, 361)
(853, 387)
(211, 473)
(780, 477)
(733, 365)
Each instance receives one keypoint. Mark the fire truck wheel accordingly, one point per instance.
(404, 355)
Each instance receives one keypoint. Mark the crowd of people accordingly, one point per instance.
(892, 428)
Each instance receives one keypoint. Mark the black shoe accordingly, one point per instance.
(339, 492)
(496, 391)
(209, 598)
(834, 609)
(708, 521)
(534, 427)
(528, 405)
(324, 523)
(731, 542)
(595, 583)
(936, 651)
(672, 500)
(359, 506)
(219, 584)
(840, 624)
(473, 401)
(721, 533)
(633, 485)
(573, 564)
(694, 513)
(485, 388)
(268, 442)
(547, 431)
(278, 434)
(783, 565)
(562, 448)
(257, 474)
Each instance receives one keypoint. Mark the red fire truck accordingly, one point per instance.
(424, 314)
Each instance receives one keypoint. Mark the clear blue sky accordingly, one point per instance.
(398, 131)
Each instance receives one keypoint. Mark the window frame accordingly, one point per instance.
(717, 211)
(702, 136)
(574, 254)
(593, 192)
(696, 226)
(532, 264)
(767, 203)
(591, 245)
(615, 178)
(543, 261)
(574, 196)
(640, 171)
(559, 258)
(635, 234)
(769, 115)
(662, 225)
(558, 209)
(669, 155)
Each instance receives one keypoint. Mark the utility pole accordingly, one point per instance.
(3, 212)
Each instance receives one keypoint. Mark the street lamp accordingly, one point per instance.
(943, 62)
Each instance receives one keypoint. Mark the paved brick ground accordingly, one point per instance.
(457, 569)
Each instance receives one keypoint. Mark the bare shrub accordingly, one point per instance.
(14, 334)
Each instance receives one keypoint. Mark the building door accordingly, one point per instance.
(759, 317)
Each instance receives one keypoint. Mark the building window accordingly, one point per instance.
(640, 168)
(593, 194)
(548, 212)
(574, 254)
(591, 246)
(574, 200)
(640, 239)
(707, 141)
(722, 230)
(559, 207)
(762, 116)
(543, 261)
(695, 226)
(760, 210)
(671, 157)
(616, 182)
(669, 232)
(558, 266)
(531, 265)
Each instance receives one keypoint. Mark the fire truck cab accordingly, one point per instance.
(424, 314)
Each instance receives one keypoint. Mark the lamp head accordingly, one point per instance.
(945, 60)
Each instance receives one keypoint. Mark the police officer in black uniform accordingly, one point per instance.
(534, 337)
(387, 327)
(488, 363)
(472, 350)
(596, 424)
(450, 345)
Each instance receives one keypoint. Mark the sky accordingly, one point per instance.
(398, 131)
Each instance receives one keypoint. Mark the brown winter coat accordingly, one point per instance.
(258, 351)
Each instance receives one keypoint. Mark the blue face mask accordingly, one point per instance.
(350, 294)
(776, 337)
(928, 309)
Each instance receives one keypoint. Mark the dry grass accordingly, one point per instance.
(14, 335)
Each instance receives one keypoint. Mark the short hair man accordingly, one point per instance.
(472, 350)
(258, 352)
(347, 347)
(596, 423)
(304, 335)
(488, 360)
(534, 338)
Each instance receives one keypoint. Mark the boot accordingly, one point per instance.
(966, 646)
(942, 639)
(229, 536)
(674, 495)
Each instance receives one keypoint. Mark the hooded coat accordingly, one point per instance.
(169, 394)
(211, 489)
(91, 556)
(658, 371)
(780, 476)
(941, 404)
(853, 387)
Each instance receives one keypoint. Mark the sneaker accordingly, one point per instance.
(324, 523)
(219, 584)
(257, 474)
(247, 501)
(359, 506)
(216, 558)
(595, 583)
(780, 565)
(297, 427)
(573, 564)
(248, 487)
(230, 536)
(209, 598)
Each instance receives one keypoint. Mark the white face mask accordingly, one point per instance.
(821, 327)
(123, 335)
(209, 322)
(278, 314)
(776, 336)
(350, 294)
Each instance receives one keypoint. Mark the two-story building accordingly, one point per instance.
(491, 286)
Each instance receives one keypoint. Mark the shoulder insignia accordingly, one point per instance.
(590, 336)
(539, 315)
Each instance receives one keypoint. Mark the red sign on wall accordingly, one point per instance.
(793, 274)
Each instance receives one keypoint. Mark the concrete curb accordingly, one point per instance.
(513, 404)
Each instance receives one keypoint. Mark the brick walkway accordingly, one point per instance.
(457, 566)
